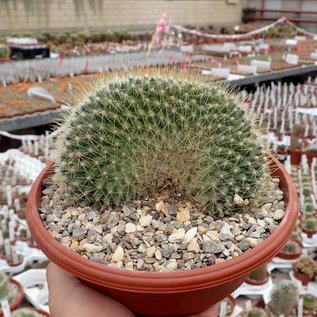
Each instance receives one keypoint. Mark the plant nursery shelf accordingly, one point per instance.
(28, 121)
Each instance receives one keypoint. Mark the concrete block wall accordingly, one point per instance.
(62, 15)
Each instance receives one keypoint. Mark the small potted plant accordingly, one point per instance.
(291, 251)
(305, 269)
(296, 236)
(257, 312)
(284, 297)
(259, 276)
(309, 305)
(10, 290)
(309, 226)
(150, 159)
(295, 149)
(4, 53)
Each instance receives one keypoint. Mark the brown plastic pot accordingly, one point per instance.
(310, 156)
(296, 156)
(290, 256)
(18, 299)
(253, 281)
(304, 278)
(308, 232)
(169, 294)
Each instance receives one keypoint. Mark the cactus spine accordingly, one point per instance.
(284, 296)
(135, 132)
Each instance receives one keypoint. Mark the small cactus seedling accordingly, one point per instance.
(310, 223)
(259, 274)
(26, 312)
(284, 297)
(4, 51)
(306, 265)
(296, 236)
(257, 312)
(134, 133)
(310, 303)
(306, 191)
(4, 286)
(309, 208)
(292, 247)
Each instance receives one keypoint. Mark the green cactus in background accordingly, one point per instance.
(4, 286)
(284, 296)
(4, 51)
(291, 247)
(259, 274)
(134, 133)
(310, 302)
(25, 312)
(310, 223)
(257, 312)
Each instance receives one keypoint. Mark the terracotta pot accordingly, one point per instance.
(17, 301)
(296, 156)
(257, 282)
(290, 256)
(11, 263)
(165, 293)
(304, 278)
(310, 156)
(309, 233)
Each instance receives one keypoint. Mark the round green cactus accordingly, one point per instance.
(134, 133)
(257, 312)
(310, 302)
(4, 51)
(4, 286)
(284, 297)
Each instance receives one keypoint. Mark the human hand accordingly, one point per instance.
(68, 297)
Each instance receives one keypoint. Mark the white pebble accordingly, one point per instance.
(190, 234)
(130, 227)
(193, 246)
(177, 236)
(118, 254)
(92, 248)
(145, 221)
(279, 214)
(150, 252)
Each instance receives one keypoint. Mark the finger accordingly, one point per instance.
(68, 297)
(210, 312)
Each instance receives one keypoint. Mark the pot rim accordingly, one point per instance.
(197, 278)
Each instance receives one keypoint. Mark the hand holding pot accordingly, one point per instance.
(68, 297)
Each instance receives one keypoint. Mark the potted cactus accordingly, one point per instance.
(305, 269)
(259, 276)
(309, 226)
(153, 166)
(284, 297)
(291, 251)
(257, 312)
(10, 290)
(4, 53)
(29, 312)
(295, 149)
(309, 305)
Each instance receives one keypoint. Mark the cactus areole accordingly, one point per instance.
(130, 136)
(134, 133)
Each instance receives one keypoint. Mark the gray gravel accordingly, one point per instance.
(162, 233)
